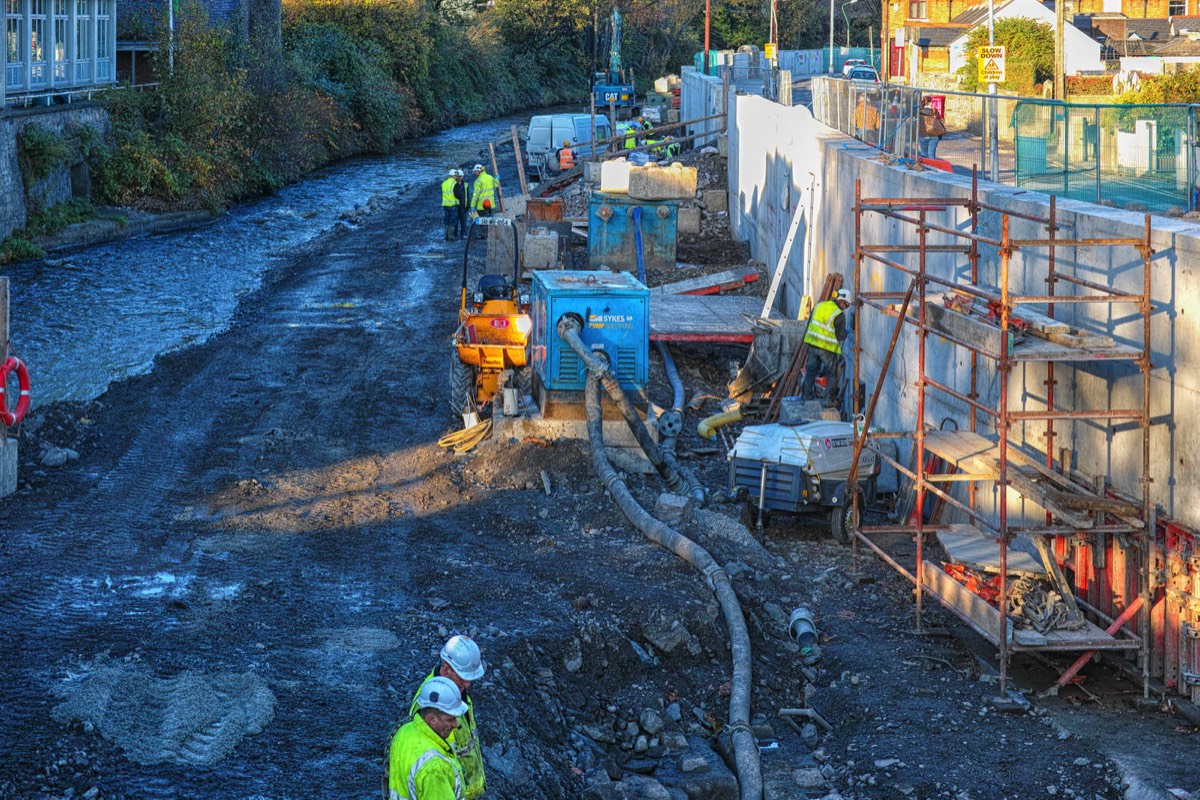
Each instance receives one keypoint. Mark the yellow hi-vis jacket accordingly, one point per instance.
(421, 765)
(448, 198)
(821, 331)
(464, 742)
(484, 189)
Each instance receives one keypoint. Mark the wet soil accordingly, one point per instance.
(236, 587)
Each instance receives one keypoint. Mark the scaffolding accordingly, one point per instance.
(999, 325)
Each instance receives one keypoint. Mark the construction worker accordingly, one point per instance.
(462, 664)
(449, 206)
(462, 195)
(421, 762)
(824, 336)
(566, 158)
(483, 190)
(630, 137)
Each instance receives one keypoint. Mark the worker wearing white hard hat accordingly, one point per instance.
(421, 764)
(483, 192)
(449, 205)
(462, 664)
(824, 336)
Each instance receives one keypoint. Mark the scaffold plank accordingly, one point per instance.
(971, 547)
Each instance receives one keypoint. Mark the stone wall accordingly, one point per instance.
(773, 150)
(68, 180)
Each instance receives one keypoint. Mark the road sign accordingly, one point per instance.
(769, 50)
(991, 65)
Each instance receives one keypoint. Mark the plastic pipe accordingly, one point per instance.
(745, 747)
(802, 627)
(707, 428)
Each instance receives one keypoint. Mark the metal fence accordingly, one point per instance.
(1141, 157)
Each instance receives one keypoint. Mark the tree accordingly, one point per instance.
(1030, 48)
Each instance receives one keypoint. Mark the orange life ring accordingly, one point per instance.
(13, 417)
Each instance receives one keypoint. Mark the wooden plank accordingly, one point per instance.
(702, 318)
(971, 331)
(972, 608)
(1089, 637)
(708, 284)
(1029, 483)
(973, 548)
(1084, 341)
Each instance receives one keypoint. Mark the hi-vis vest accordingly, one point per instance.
(464, 743)
(484, 189)
(421, 765)
(448, 198)
(821, 331)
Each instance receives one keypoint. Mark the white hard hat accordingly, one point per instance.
(478, 168)
(452, 172)
(442, 694)
(458, 173)
(462, 654)
(842, 294)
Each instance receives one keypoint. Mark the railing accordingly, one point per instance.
(1139, 157)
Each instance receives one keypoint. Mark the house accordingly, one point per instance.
(58, 47)
(1081, 52)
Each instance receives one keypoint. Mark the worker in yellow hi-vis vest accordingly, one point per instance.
(825, 334)
(462, 664)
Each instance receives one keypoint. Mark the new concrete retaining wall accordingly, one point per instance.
(775, 150)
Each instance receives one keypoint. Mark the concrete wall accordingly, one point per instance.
(60, 184)
(773, 150)
(700, 97)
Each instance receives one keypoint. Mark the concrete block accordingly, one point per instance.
(8, 467)
(673, 116)
(715, 199)
(614, 176)
(515, 206)
(674, 508)
(540, 250)
(653, 182)
(592, 170)
(723, 145)
(689, 220)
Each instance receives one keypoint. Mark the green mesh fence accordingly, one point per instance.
(1139, 157)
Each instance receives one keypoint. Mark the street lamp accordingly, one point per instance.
(847, 20)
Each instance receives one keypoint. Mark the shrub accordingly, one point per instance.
(41, 151)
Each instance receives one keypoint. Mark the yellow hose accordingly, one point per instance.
(707, 428)
(465, 440)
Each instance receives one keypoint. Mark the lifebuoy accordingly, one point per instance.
(15, 416)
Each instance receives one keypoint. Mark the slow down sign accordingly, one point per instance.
(991, 64)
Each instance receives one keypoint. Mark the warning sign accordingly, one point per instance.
(991, 65)
(769, 50)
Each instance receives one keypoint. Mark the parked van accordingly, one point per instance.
(547, 132)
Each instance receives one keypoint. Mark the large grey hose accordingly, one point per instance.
(745, 748)
(677, 479)
(672, 376)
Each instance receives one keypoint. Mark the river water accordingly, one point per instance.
(103, 313)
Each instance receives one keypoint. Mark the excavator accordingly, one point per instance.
(616, 85)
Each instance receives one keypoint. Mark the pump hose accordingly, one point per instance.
(677, 479)
(745, 748)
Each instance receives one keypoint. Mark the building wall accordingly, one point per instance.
(774, 151)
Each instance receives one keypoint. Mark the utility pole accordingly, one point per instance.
(707, 20)
(885, 61)
(1060, 55)
(993, 111)
(831, 35)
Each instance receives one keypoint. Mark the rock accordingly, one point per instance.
(666, 634)
(1052, 790)
(672, 508)
(809, 778)
(641, 745)
(888, 763)
(631, 787)
(573, 660)
(57, 456)
(688, 222)
(631, 729)
(692, 763)
(673, 712)
(673, 740)
(1080, 762)
(651, 722)
(509, 762)
(641, 766)
(598, 733)
(714, 781)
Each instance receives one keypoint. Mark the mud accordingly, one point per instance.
(236, 588)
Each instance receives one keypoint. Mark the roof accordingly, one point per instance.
(977, 15)
(936, 36)
(1179, 46)
(1148, 30)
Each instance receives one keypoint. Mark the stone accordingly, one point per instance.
(592, 170)
(540, 250)
(692, 763)
(688, 220)
(665, 634)
(888, 763)
(641, 745)
(1080, 762)
(57, 456)
(653, 182)
(715, 199)
(598, 733)
(651, 722)
(674, 508)
(810, 778)
(714, 781)
(674, 740)
(631, 787)
(673, 712)
(516, 205)
(631, 729)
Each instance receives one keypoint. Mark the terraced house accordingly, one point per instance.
(58, 46)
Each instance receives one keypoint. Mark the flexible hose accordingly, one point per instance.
(466, 439)
(672, 376)
(745, 748)
(707, 427)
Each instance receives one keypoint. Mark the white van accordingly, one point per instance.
(547, 132)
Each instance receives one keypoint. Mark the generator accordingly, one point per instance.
(615, 310)
(800, 468)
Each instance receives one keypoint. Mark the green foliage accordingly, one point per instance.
(1030, 48)
(17, 248)
(1182, 87)
(41, 151)
(55, 218)
(1090, 85)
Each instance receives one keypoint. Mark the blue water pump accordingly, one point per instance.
(615, 310)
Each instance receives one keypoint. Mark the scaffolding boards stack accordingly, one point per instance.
(999, 330)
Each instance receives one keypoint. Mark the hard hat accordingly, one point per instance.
(478, 168)
(842, 294)
(442, 694)
(452, 172)
(566, 144)
(462, 654)
(487, 203)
